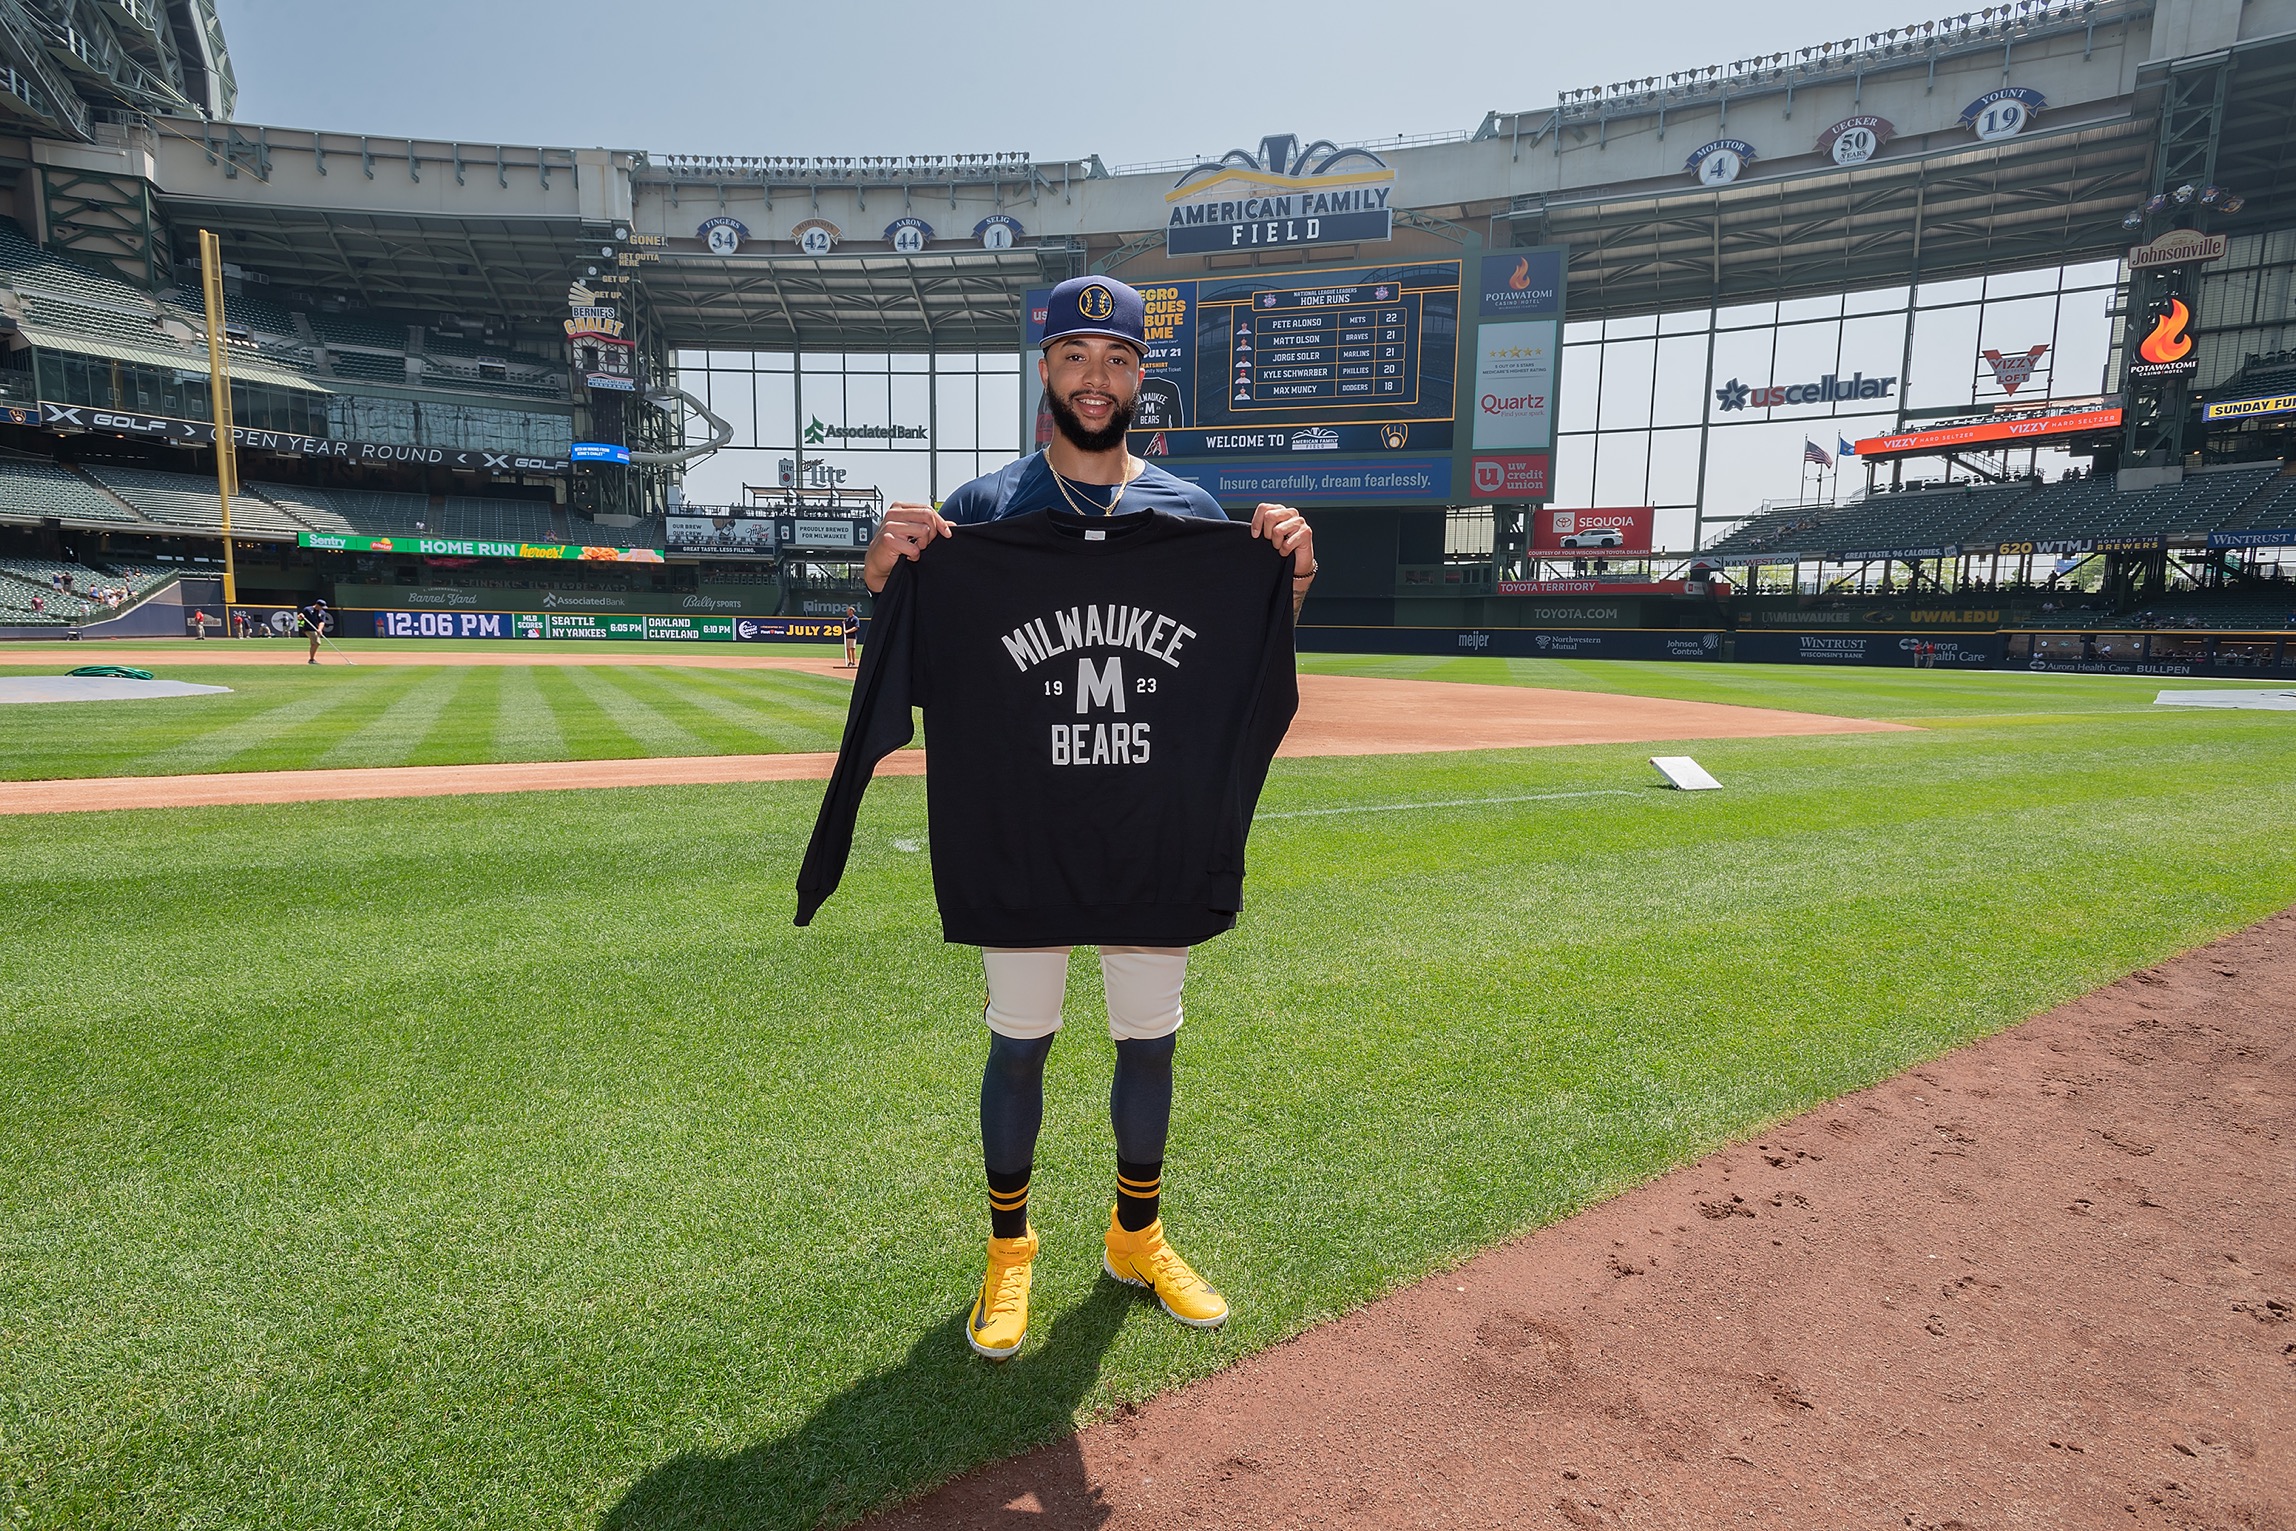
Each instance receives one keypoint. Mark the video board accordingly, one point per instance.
(1404, 383)
(1344, 359)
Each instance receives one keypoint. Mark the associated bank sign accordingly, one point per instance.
(1284, 195)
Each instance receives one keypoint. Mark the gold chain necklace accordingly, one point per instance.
(1114, 500)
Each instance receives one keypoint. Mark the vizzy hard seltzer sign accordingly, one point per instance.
(1284, 195)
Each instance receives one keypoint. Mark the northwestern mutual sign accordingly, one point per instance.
(1285, 195)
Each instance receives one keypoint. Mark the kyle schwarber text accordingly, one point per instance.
(1099, 686)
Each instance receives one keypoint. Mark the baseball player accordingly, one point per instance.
(1093, 352)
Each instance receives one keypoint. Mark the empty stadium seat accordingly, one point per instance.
(42, 491)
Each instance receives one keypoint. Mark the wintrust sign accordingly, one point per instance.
(1826, 390)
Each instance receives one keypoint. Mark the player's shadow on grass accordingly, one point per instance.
(940, 1410)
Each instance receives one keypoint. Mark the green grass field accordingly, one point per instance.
(382, 714)
(511, 1161)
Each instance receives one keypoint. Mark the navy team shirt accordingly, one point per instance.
(1020, 487)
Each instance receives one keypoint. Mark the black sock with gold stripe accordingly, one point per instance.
(1008, 1205)
(1138, 1190)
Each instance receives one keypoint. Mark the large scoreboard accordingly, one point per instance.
(1342, 384)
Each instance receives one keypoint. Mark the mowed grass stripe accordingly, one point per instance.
(214, 749)
(394, 737)
(648, 727)
(727, 729)
(525, 724)
(591, 732)
(756, 709)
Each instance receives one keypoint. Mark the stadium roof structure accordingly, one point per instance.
(66, 64)
(498, 231)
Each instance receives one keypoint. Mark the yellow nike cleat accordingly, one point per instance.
(1000, 1314)
(1144, 1259)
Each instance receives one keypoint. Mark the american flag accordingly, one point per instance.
(1812, 452)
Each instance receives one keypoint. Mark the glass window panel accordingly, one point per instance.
(911, 361)
(1691, 321)
(1756, 462)
(1000, 416)
(1633, 327)
(1681, 396)
(2084, 339)
(1740, 316)
(2019, 284)
(1875, 345)
(1944, 356)
(1876, 300)
(1626, 376)
(1582, 332)
(1741, 357)
(1621, 468)
(912, 408)
(1673, 529)
(731, 400)
(1674, 469)
(953, 469)
(1806, 354)
(776, 409)
(1574, 471)
(1794, 310)
(1966, 290)
(2095, 273)
(1580, 387)
(955, 395)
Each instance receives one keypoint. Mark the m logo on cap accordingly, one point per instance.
(1096, 303)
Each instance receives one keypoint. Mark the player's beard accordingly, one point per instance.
(1108, 438)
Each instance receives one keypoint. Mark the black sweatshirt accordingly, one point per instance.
(1102, 698)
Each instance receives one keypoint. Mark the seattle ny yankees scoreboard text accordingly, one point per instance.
(1099, 686)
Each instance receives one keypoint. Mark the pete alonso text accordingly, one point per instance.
(1098, 685)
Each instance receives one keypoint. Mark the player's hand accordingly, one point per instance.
(907, 531)
(1289, 531)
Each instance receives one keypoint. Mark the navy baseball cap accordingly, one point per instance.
(1097, 305)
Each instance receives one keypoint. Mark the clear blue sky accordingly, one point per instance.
(1130, 83)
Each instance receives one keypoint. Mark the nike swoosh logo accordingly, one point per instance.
(979, 1318)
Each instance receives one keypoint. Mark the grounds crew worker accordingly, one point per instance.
(314, 618)
(1094, 344)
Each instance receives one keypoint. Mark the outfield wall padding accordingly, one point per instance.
(1517, 642)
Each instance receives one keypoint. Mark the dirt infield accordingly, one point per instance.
(1339, 715)
(2048, 1280)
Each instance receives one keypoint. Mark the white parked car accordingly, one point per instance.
(1601, 537)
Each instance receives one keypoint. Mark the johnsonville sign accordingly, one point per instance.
(2176, 247)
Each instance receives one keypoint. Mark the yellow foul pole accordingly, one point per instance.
(219, 404)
